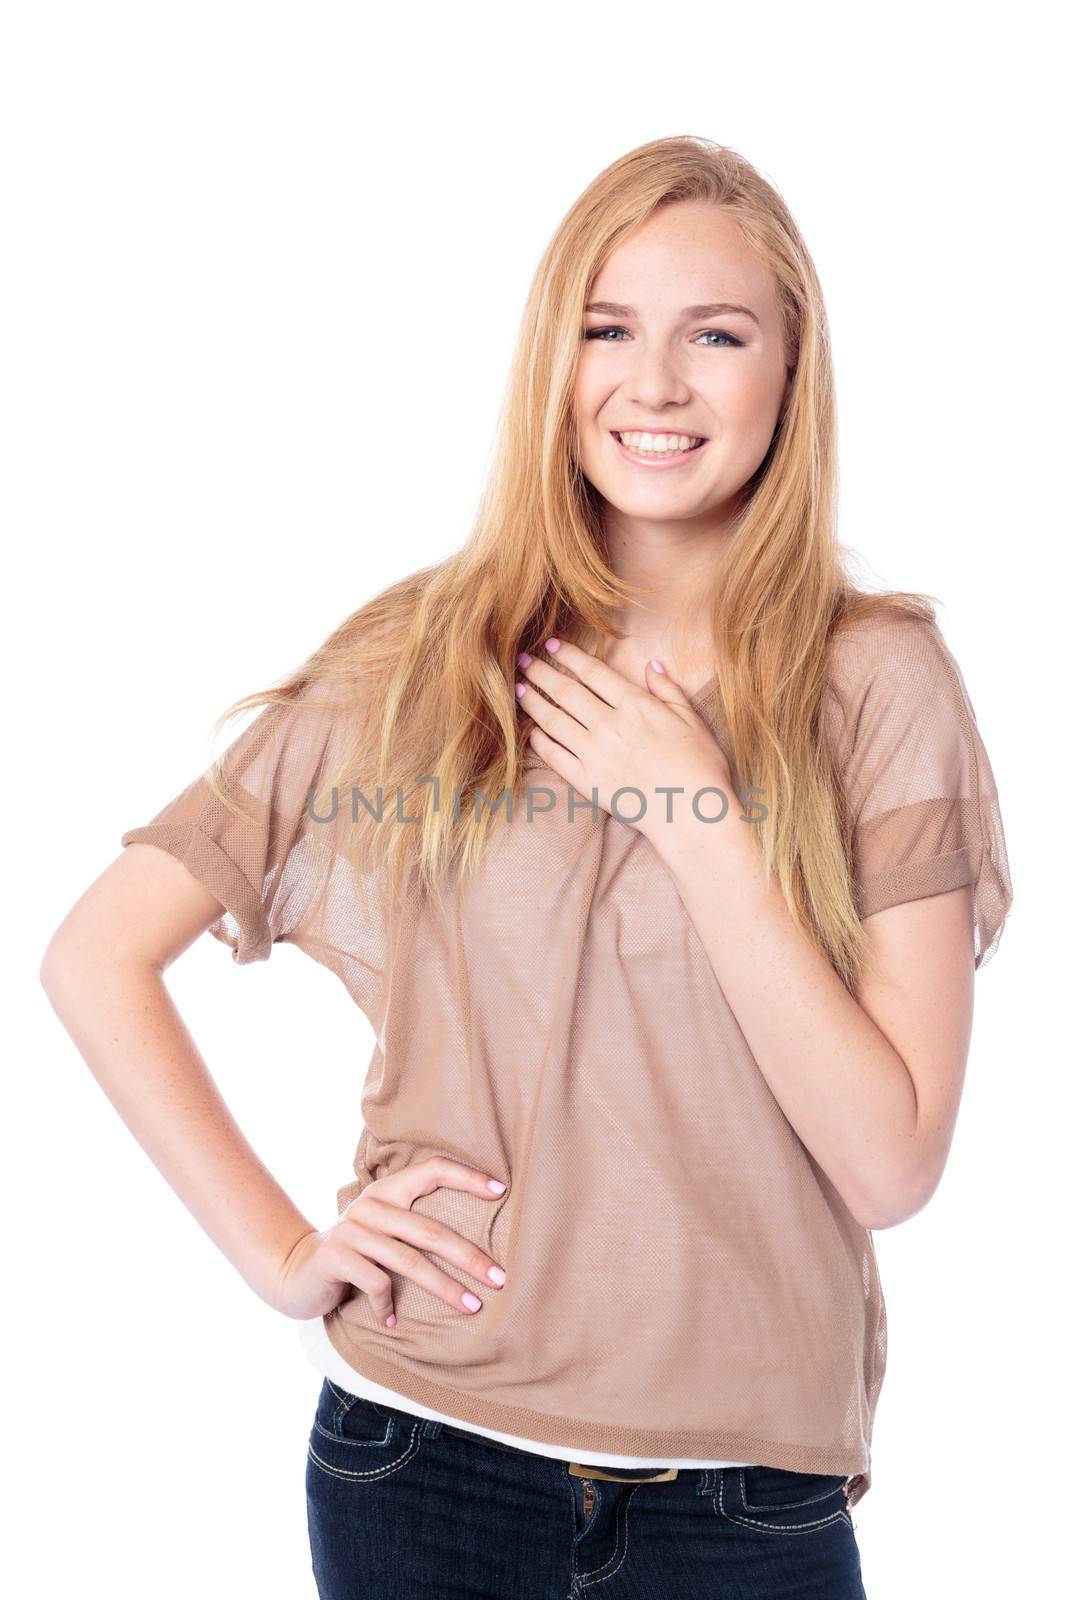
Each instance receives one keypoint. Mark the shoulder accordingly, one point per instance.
(891, 657)
(885, 644)
(301, 733)
(316, 709)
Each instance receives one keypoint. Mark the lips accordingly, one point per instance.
(663, 460)
(681, 433)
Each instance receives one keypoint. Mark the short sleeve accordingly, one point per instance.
(274, 867)
(919, 790)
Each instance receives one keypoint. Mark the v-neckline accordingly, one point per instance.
(705, 691)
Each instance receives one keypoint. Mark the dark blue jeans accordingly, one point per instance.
(400, 1507)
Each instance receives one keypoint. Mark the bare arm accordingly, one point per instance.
(872, 1085)
(103, 974)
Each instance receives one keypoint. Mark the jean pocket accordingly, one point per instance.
(356, 1439)
(778, 1501)
(775, 1489)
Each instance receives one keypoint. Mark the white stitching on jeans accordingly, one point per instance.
(591, 1577)
(787, 1528)
(356, 1444)
(792, 1505)
(378, 1472)
(347, 1401)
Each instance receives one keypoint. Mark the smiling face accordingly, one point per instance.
(684, 338)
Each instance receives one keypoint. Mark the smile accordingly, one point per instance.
(658, 450)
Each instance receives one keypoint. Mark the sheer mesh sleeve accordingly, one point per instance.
(274, 868)
(918, 783)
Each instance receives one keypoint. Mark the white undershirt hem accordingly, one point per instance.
(325, 1359)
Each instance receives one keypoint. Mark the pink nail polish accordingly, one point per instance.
(553, 645)
(496, 1185)
(657, 666)
(525, 659)
(390, 1321)
(498, 1274)
(520, 690)
(471, 1301)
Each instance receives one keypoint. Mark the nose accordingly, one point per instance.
(654, 379)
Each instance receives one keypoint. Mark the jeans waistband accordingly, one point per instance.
(431, 1428)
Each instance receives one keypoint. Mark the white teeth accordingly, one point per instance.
(659, 444)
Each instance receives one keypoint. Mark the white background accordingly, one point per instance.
(263, 269)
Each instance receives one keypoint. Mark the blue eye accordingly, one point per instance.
(716, 333)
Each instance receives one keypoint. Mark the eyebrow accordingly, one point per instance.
(610, 309)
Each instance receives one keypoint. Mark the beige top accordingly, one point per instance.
(683, 1279)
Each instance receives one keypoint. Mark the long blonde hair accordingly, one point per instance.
(434, 653)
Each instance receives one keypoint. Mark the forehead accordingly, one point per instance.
(686, 253)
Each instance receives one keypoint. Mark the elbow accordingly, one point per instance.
(895, 1202)
(874, 1218)
(60, 959)
(48, 971)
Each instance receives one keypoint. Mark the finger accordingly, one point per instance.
(560, 760)
(602, 680)
(427, 1233)
(399, 1256)
(663, 686)
(357, 1269)
(436, 1172)
(575, 697)
(560, 725)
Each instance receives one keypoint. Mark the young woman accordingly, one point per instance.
(670, 976)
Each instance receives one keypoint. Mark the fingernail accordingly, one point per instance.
(525, 659)
(657, 666)
(520, 690)
(553, 645)
(472, 1302)
(496, 1185)
(390, 1321)
(497, 1274)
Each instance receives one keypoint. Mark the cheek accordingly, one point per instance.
(749, 398)
(589, 397)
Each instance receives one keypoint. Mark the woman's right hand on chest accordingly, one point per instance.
(378, 1234)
